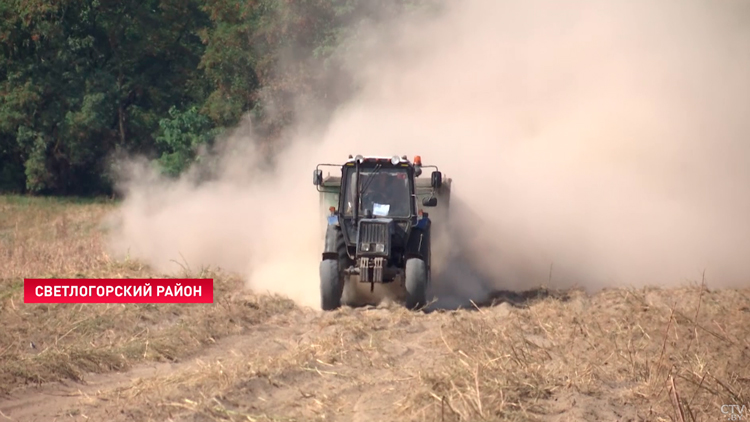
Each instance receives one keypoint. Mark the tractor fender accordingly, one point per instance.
(330, 249)
(418, 245)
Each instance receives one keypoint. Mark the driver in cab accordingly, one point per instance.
(387, 195)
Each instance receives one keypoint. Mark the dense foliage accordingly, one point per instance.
(82, 80)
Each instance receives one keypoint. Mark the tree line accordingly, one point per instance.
(81, 80)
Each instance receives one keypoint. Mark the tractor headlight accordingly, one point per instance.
(372, 247)
(373, 238)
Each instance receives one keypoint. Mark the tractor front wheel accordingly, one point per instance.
(331, 285)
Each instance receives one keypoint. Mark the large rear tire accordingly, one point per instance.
(416, 283)
(331, 285)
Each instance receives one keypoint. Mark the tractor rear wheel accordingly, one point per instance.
(416, 283)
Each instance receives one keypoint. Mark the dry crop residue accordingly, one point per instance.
(565, 356)
(623, 354)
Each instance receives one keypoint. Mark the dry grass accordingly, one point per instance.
(563, 357)
(624, 354)
(48, 342)
(43, 237)
(646, 354)
(315, 367)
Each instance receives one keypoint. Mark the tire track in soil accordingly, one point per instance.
(358, 392)
(51, 401)
(58, 400)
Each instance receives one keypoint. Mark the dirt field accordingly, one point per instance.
(617, 355)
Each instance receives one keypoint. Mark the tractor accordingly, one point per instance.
(376, 230)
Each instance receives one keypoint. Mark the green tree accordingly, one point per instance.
(181, 135)
(83, 78)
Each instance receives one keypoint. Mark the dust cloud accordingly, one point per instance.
(590, 143)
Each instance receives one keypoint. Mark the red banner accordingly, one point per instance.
(118, 290)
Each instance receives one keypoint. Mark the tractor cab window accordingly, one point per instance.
(384, 193)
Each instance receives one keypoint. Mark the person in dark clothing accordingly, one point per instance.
(387, 195)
